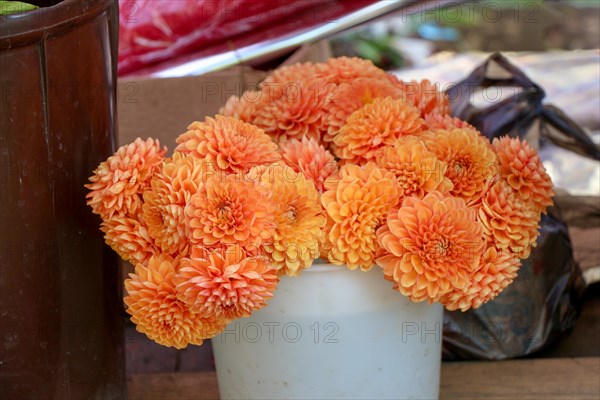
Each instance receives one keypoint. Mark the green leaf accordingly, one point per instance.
(13, 7)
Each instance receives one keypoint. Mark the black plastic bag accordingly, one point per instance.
(521, 113)
(541, 306)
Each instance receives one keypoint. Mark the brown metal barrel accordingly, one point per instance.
(61, 333)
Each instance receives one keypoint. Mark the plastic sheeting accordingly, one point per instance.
(541, 306)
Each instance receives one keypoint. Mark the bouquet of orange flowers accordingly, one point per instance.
(339, 161)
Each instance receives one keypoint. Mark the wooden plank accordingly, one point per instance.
(176, 386)
(533, 379)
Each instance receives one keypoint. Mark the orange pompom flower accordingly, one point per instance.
(230, 210)
(508, 220)
(470, 159)
(243, 107)
(375, 126)
(522, 168)
(431, 246)
(356, 206)
(225, 284)
(294, 112)
(417, 170)
(117, 184)
(165, 200)
(299, 219)
(295, 74)
(154, 308)
(351, 96)
(311, 159)
(497, 270)
(436, 121)
(425, 96)
(232, 145)
(129, 238)
(345, 69)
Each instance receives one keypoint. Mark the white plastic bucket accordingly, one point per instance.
(333, 333)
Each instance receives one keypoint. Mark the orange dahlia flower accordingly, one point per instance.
(165, 200)
(298, 73)
(228, 211)
(426, 96)
(375, 126)
(154, 308)
(295, 112)
(243, 107)
(351, 96)
(290, 84)
(232, 145)
(417, 170)
(311, 159)
(431, 246)
(299, 219)
(522, 168)
(129, 238)
(471, 162)
(346, 69)
(118, 182)
(225, 285)
(508, 220)
(357, 204)
(497, 270)
(436, 121)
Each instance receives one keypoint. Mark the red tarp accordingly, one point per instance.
(153, 31)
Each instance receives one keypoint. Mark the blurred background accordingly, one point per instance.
(408, 41)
